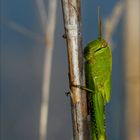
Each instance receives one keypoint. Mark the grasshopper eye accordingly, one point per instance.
(104, 44)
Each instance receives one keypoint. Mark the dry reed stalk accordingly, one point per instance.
(72, 25)
(132, 69)
(21, 29)
(48, 24)
(112, 21)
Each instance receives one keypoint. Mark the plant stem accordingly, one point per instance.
(72, 25)
(49, 28)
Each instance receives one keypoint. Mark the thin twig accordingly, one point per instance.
(18, 28)
(42, 13)
(72, 25)
(49, 28)
(111, 22)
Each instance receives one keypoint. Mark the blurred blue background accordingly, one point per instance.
(21, 73)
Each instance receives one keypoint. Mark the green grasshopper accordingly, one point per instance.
(98, 69)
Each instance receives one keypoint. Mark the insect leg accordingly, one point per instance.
(67, 93)
(83, 88)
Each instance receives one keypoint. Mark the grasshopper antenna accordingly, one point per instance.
(99, 24)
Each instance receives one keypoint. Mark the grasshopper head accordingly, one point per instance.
(94, 47)
(102, 44)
